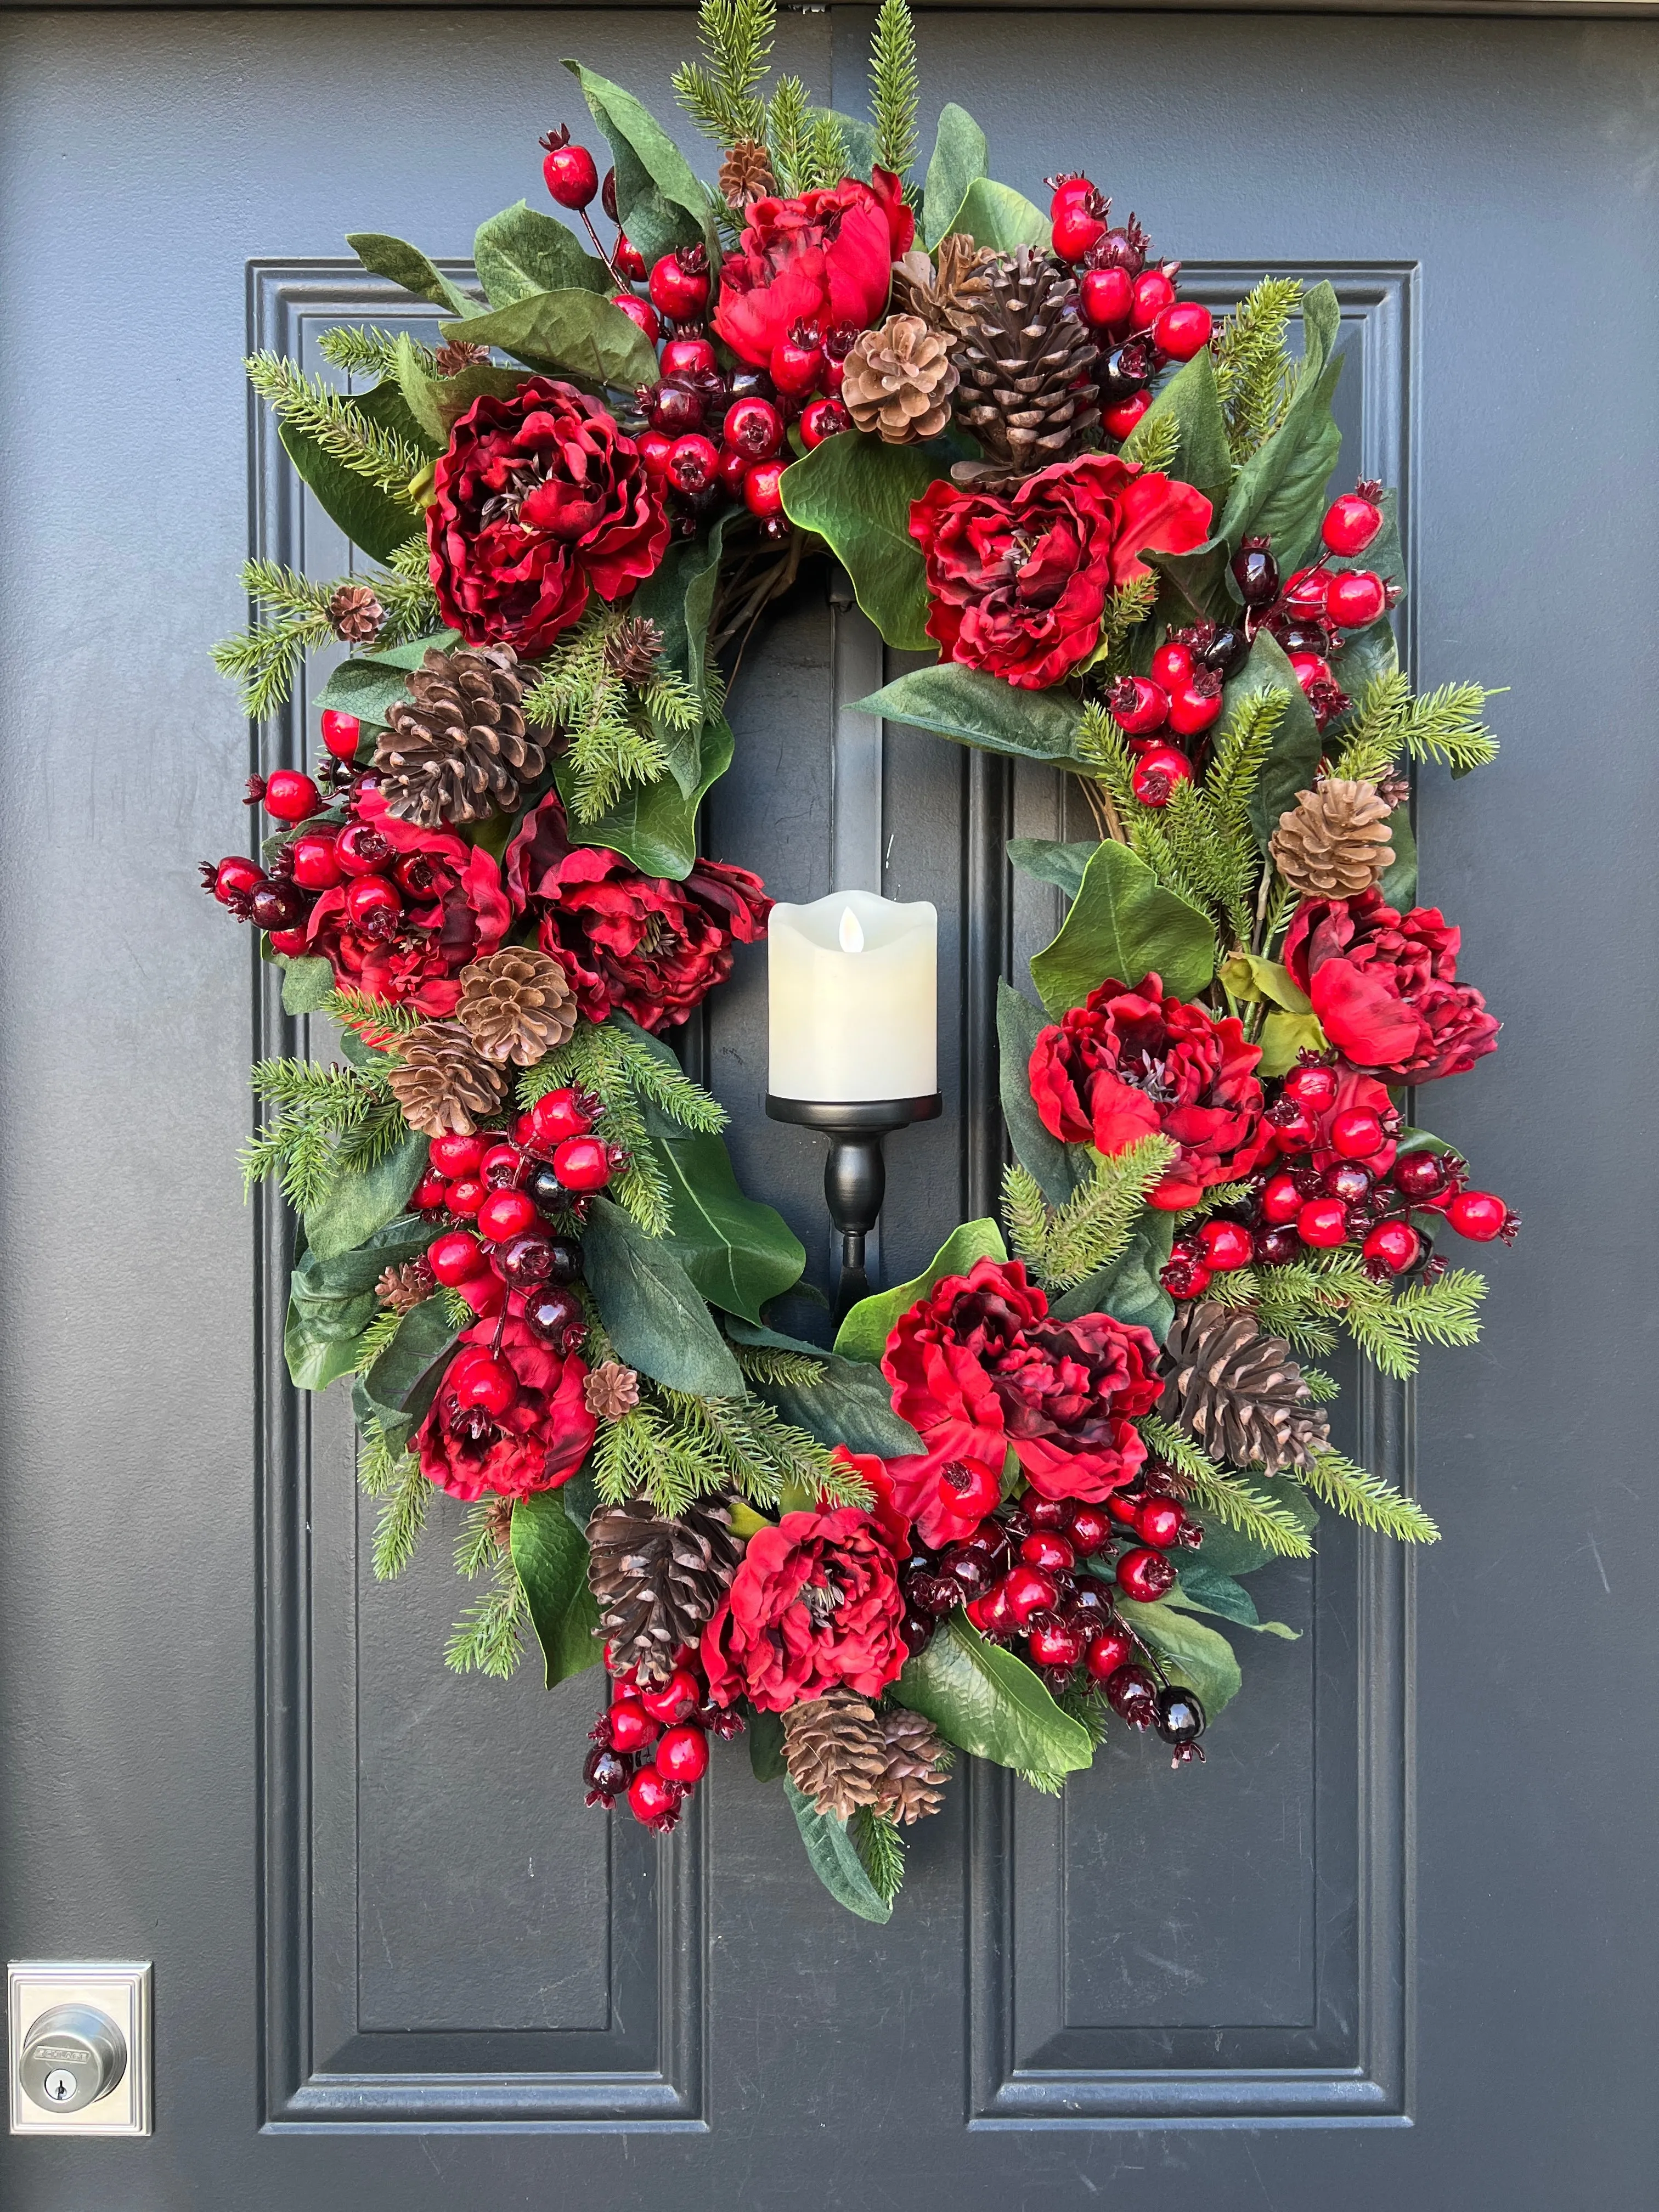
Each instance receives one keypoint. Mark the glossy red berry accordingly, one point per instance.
(1304, 595)
(1121, 418)
(455, 1257)
(1172, 664)
(655, 447)
(1157, 773)
(583, 1163)
(694, 463)
(1323, 1222)
(341, 734)
(1310, 668)
(554, 1315)
(762, 492)
(1183, 330)
(1090, 1528)
(1055, 1642)
(1145, 1576)
(1139, 705)
(489, 1384)
(500, 1166)
(1107, 1651)
(235, 880)
(691, 358)
(1346, 1180)
(1052, 1513)
(823, 418)
(654, 1800)
(1048, 1549)
(428, 1192)
(1160, 1521)
(372, 903)
(1184, 1278)
(1421, 1175)
(639, 312)
(569, 172)
(754, 428)
(1355, 599)
(797, 364)
(965, 1487)
(362, 849)
(683, 1755)
(1353, 520)
(1195, 704)
(1153, 295)
(1107, 298)
(1225, 1245)
(1479, 1215)
(1079, 221)
(277, 906)
(628, 257)
(504, 1214)
(1028, 1590)
(673, 1700)
(1065, 189)
(316, 866)
(1355, 1133)
(679, 283)
(456, 1156)
(1312, 1086)
(466, 1195)
(1281, 1201)
(561, 1114)
(631, 1726)
(675, 409)
(1393, 1245)
(289, 795)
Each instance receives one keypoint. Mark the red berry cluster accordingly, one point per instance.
(1167, 716)
(653, 1742)
(1309, 614)
(1141, 323)
(1340, 1180)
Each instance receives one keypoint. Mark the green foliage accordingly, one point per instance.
(1125, 924)
(1240, 1504)
(489, 1638)
(290, 620)
(1279, 491)
(965, 703)
(550, 1555)
(1064, 1244)
(856, 494)
(520, 253)
(986, 1701)
(339, 425)
(369, 1018)
(407, 265)
(864, 1333)
(375, 1340)
(841, 1401)
(329, 1121)
(766, 1364)
(1198, 1657)
(674, 1446)
(893, 86)
(835, 1859)
(362, 352)
(660, 202)
(737, 1251)
(994, 215)
(569, 332)
(958, 157)
(1254, 370)
(402, 1517)
(1365, 1497)
(879, 1846)
(619, 734)
(1153, 443)
(380, 1466)
(719, 92)
(1057, 1167)
(1301, 1302)
(1441, 726)
(651, 1310)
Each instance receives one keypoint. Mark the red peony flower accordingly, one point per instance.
(1128, 1064)
(455, 910)
(539, 1442)
(979, 1365)
(1384, 985)
(537, 497)
(825, 259)
(1016, 585)
(815, 1603)
(652, 946)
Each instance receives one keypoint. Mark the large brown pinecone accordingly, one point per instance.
(516, 1005)
(656, 1581)
(443, 1086)
(947, 290)
(457, 748)
(836, 1750)
(1238, 1391)
(917, 1763)
(1022, 361)
(745, 174)
(1334, 842)
(897, 381)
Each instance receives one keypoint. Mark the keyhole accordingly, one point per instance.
(60, 2086)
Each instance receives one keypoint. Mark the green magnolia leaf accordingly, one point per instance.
(550, 1554)
(860, 140)
(520, 253)
(864, 1333)
(332, 1300)
(1198, 584)
(994, 215)
(1399, 884)
(960, 154)
(981, 710)
(418, 390)
(1129, 1289)
(1198, 1657)
(856, 494)
(571, 333)
(1124, 925)
(1203, 1590)
(369, 517)
(437, 402)
(679, 598)
(1284, 1037)
(1191, 401)
(651, 1312)
(659, 203)
(849, 1403)
(307, 985)
(738, 1252)
(1061, 1169)
(407, 265)
(655, 825)
(358, 1205)
(1279, 492)
(1052, 862)
(1248, 975)
(988, 1701)
(370, 686)
(404, 1380)
(765, 1734)
(1298, 747)
(834, 1859)
(1366, 654)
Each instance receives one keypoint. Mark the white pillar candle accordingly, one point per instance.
(853, 983)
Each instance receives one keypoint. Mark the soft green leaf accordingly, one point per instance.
(1060, 1168)
(834, 1859)
(370, 517)
(1285, 1037)
(660, 203)
(848, 1403)
(994, 215)
(1279, 492)
(1246, 976)
(550, 1553)
(1124, 925)
(406, 265)
(860, 141)
(765, 1734)
(958, 159)
(1298, 747)
(737, 1251)
(864, 1333)
(981, 710)
(1129, 1289)
(370, 686)
(405, 1379)
(520, 253)
(437, 402)
(1053, 862)
(1198, 1657)
(1399, 884)
(307, 985)
(856, 493)
(1203, 1590)
(988, 1701)
(1191, 401)
(332, 1300)
(651, 1310)
(655, 825)
(571, 333)
(359, 1204)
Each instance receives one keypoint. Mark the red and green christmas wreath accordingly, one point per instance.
(1017, 1501)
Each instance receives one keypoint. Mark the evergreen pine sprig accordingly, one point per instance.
(1443, 725)
(1254, 371)
(807, 149)
(1126, 608)
(1065, 1245)
(611, 728)
(362, 352)
(1219, 1195)
(378, 1467)
(329, 1121)
(676, 1447)
(291, 621)
(1152, 445)
(879, 1844)
(339, 425)
(719, 93)
(376, 1339)
(369, 1017)
(766, 1364)
(403, 1518)
(489, 1638)
(1302, 1301)
(894, 86)
(1229, 1497)
(1365, 1497)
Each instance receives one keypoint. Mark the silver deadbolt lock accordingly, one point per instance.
(74, 2056)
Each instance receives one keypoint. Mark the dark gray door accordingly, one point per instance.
(1396, 1942)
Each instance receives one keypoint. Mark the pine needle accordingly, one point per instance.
(879, 1844)
(379, 1467)
(1065, 1245)
(372, 1019)
(339, 425)
(719, 92)
(1255, 1513)
(1443, 725)
(894, 87)
(362, 352)
(788, 127)
(1365, 1497)
(1152, 445)
(291, 621)
(376, 1339)
(330, 1120)
(1255, 372)
(403, 1519)
(792, 1370)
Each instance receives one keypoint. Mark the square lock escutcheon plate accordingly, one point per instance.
(78, 2045)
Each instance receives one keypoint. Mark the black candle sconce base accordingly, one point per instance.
(855, 1174)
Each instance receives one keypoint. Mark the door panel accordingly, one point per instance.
(1396, 1939)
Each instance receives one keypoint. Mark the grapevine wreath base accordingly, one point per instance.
(1019, 1500)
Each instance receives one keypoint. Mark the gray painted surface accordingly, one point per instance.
(396, 1963)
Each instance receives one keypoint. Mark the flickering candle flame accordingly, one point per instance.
(852, 936)
(853, 1011)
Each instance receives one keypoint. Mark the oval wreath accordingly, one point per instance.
(1013, 1498)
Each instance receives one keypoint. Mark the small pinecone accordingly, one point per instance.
(658, 1581)
(1238, 1391)
(837, 1752)
(457, 749)
(457, 354)
(611, 1390)
(516, 1005)
(443, 1087)
(633, 648)
(1334, 842)
(1019, 360)
(898, 380)
(355, 614)
(405, 1287)
(917, 1766)
(1393, 791)
(947, 291)
(746, 173)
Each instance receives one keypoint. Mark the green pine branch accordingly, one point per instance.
(375, 1340)
(1365, 1497)
(378, 1467)
(765, 1364)
(362, 352)
(369, 1018)
(1065, 1245)
(1229, 1497)
(403, 1518)
(1152, 445)
(329, 1121)
(788, 121)
(290, 621)
(719, 93)
(1254, 371)
(459, 1315)
(875, 1838)
(827, 158)
(610, 745)
(339, 425)
(1219, 1195)
(894, 86)
(1443, 725)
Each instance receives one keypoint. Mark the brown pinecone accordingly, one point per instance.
(457, 749)
(1395, 790)
(457, 354)
(1019, 360)
(1334, 842)
(444, 1088)
(1238, 1392)
(948, 290)
(355, 614)
(898, 380)
(836, 1750)
(402, 1288)
(917, 1763)
(516, 1005)
(745, 174)
(611, 1390)
(658, 1581)
(632, 649)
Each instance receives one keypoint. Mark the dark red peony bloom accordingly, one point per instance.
(1016, 585)
(539, 1442)
(538, 497)
(1384, 985)
(652, 946)
(815, 1603)
(824, 259)
(455, 910)
(979, 1365)
(1129, 1064)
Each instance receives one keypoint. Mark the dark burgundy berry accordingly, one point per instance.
(1048, 1512)
(545, 1188)
(1086, 1602)
(1226, 651)
(527, 1260)
(1277, 1247)
(566, 1259)
(916, 1630)
(930, 1595)
(608, 195)
(1125, 371)
(1346, 1180)
(554, 1315)
(276, 906)
(1133, 1695)
(675, 409)
(606, 1774)
(1255, 572)
(1180, 1717)
(1421, 1175)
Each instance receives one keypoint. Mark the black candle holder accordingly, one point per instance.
(855, 1174)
